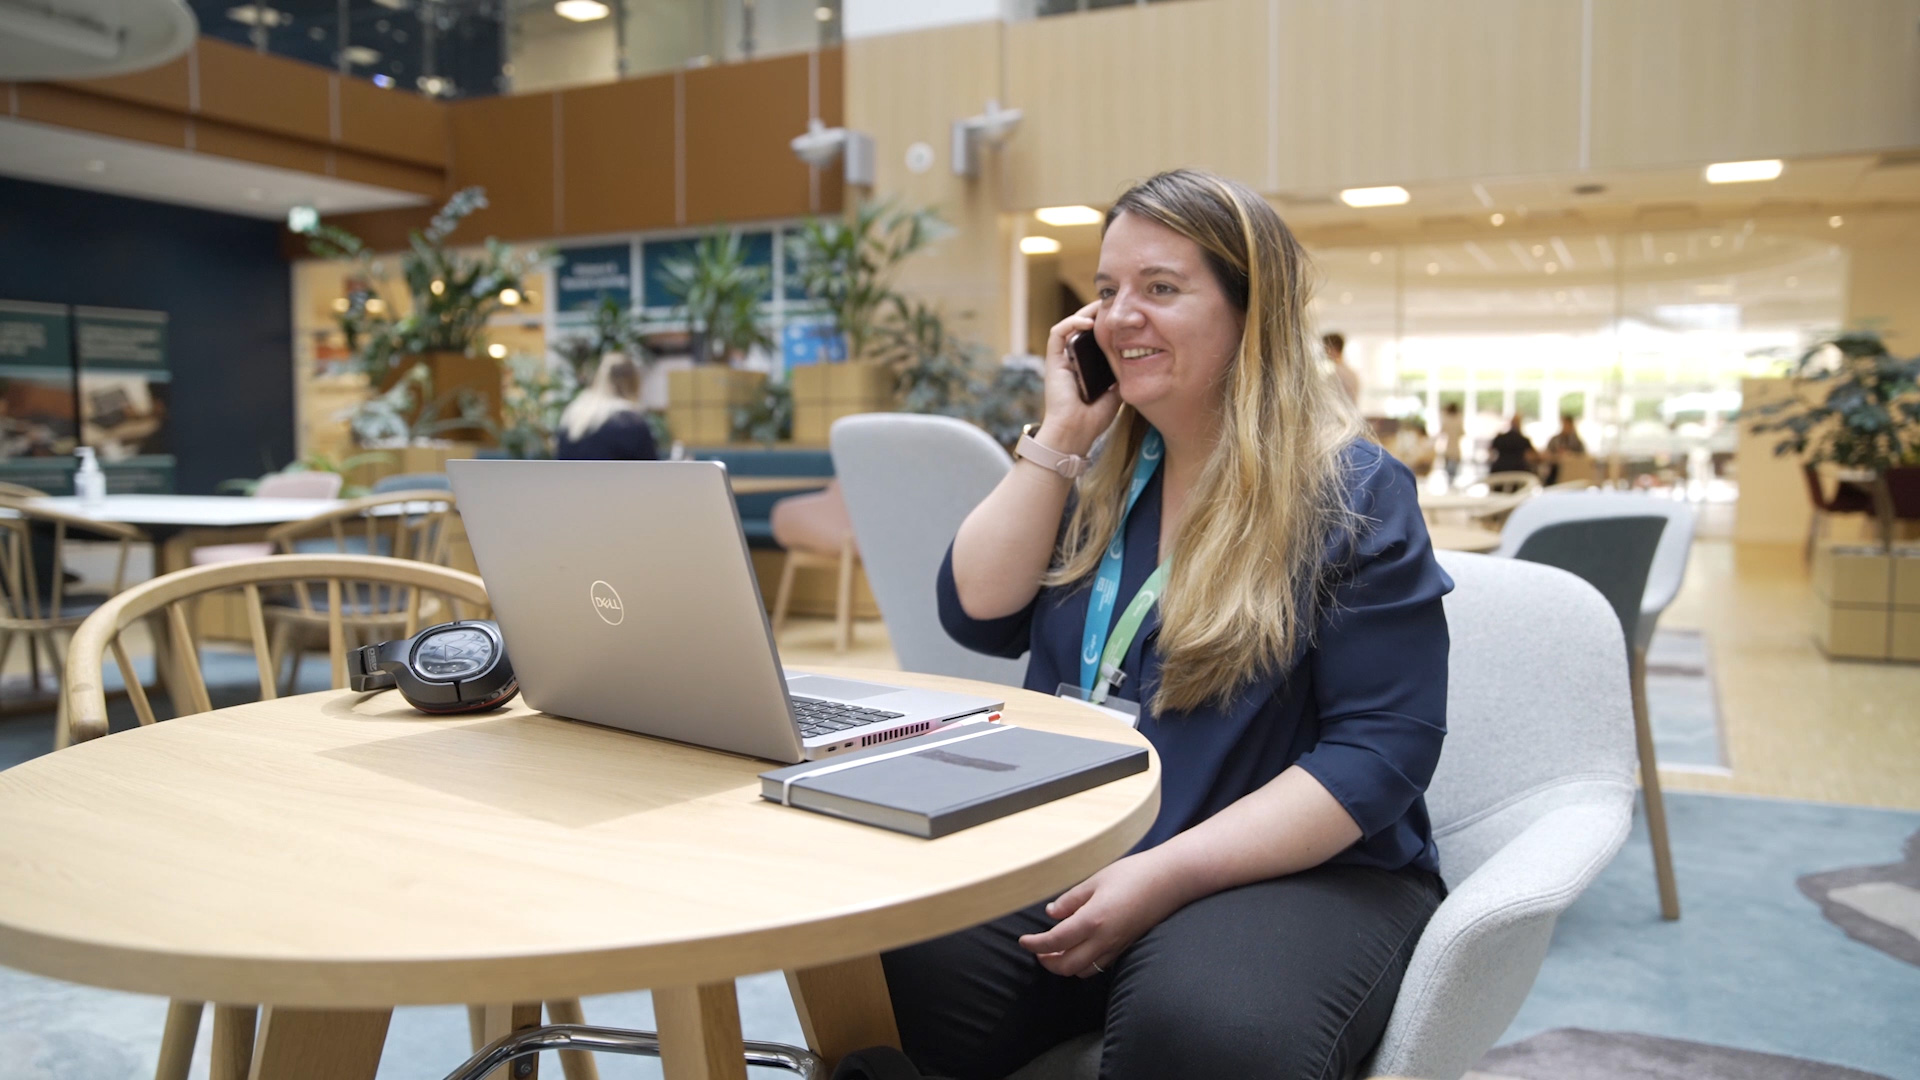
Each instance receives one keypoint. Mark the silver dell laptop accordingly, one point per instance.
(626, 596)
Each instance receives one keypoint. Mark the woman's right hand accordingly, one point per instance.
(1071, 425)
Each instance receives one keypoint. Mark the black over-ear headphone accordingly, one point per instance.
(450, 668)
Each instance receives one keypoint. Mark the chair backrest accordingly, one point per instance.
(404, 524)
(1669, 569)
(1538, 704)
(1576, 466)
(909, 481)
(23, 604)
(20, 491)
(1611, 554)
(1513, 483)
(173, 594)
(418, 481)
(306, 484)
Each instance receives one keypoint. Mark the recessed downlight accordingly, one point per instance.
(1038, 245)
(1391, 195)
(1069, 215)
(581, 10)
(1743, 172)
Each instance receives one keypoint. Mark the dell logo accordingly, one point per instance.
(606, 603)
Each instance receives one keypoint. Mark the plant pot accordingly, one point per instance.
(701, 400)
(823, 393)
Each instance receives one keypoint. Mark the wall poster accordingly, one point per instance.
(116, 401)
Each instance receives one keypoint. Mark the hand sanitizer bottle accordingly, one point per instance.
(89, 483)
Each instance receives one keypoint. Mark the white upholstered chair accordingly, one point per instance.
(909, 481)
(1532, 798)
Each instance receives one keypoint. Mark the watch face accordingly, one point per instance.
(454, 654)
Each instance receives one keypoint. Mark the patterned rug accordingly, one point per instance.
(1682, 704)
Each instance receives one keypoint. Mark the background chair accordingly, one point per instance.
(909, 481)
(1532, 798)
(1640, 568)
(418, 481)
(281, 485)
(1513, 483)
(815, 531)
(34, 602)
(170, 598)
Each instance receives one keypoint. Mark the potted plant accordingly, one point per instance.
(936, 372)
(537, 393)
(611, 330)
(719, 295)
(452, 294)
(1856, 406)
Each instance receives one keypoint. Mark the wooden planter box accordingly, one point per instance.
(701, 400)
(1866, 602)
(823, 393)
(452, 373)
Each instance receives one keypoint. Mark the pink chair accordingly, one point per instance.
(282, 485)
(817, 533)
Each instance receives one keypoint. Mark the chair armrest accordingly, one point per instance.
(1479, 954)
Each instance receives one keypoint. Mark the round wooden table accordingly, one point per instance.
(1463, 538)
(335, 854)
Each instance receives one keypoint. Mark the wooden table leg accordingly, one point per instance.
(502, 1021)
(233, 1033)
(844, 1007)
(700, 1032)
(318, 1044)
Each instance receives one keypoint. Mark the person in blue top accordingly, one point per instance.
(1248, 574)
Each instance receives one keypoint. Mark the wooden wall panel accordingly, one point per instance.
(245, 144)
(1113, 96)
(49, 104)
(1729, 80)
(739, 119)
(1393, 91)
(387, 173)
(164, 87)
(268, 93)
(506, 144)
(393, 123)
(908, 88)
(617, 150)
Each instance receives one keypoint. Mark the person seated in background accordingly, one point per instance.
(1343, 373)
(1412, 446)
(1513, 451)
(606, 423)
(1564, 444)
(1282, 646)
(1453, 430)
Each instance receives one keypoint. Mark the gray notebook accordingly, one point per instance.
(953, 779)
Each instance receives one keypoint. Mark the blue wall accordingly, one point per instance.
(224, 285)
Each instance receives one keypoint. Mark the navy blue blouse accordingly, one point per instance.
(1363, 710)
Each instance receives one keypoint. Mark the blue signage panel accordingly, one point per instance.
(587, 274)
(806, 342)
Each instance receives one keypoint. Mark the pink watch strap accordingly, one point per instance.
(1067, 465)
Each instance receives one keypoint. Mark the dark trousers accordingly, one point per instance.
(1289, 978)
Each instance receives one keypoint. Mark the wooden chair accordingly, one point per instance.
(27, 614)
(19, 491)
(169, 597)
(1513, 483)
(411, 525)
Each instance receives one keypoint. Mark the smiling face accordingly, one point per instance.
(1164, 320)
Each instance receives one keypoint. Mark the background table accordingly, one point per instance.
(1463, 538)
(336, 854)
(180, 523)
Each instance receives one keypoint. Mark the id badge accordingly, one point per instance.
(1127, 712)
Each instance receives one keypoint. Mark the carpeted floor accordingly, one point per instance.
(1682, 703)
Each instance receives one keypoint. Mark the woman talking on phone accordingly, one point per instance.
(1245, 574)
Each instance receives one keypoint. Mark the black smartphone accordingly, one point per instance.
(1090, 366)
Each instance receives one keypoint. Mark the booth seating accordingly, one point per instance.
(756, 511)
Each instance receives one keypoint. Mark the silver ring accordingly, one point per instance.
(1098, 968)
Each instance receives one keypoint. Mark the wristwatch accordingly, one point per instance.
(1067, 465)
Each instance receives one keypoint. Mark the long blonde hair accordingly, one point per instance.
(615, 389)
(1247, 563)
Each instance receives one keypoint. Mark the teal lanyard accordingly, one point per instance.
(1100, 655)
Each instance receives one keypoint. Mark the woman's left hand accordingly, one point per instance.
(1104, 914)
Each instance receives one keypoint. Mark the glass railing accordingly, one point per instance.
(476, 48)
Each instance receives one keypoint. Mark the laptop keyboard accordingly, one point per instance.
(818, 718)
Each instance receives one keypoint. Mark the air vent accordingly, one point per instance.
(900, 733)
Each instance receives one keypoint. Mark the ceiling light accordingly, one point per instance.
(1551, 268)
(1670, 258)
(510, 297)
(1539, 249)
(341, 304)
(1498, 220)
(437, 287)
(1038, 245)
(1836, 221)
(361, 56)
(497, 351)
(383, 81)
(1374, 258)
(1433, 268)
(1374, 196)
(376, 306)
(581, 10)
(1069, 215)
(823, 14)
(1741, 172)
